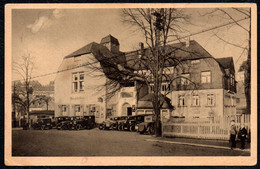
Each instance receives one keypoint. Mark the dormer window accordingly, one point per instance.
(195, 61)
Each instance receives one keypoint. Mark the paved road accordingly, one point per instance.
(104, 143)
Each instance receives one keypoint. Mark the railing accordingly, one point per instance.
(204, 131)
(196, 128)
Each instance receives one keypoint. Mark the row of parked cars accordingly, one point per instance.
(141, 123)
(144, 124)
(65, 123)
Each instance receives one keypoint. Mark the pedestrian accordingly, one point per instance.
(233, 133)
(242, 135)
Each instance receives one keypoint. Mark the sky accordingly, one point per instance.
(48, 35)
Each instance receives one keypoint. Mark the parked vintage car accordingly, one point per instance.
(43, 124)
(107, 124)
(120, 122)
(134, 121)
(148, 126)
(129, 123)
(113, 123)
(63, 123)
(85, 122)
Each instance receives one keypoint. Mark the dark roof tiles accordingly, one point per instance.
(109, 38)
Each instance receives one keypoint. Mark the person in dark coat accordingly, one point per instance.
(233, 133)
(242, 135)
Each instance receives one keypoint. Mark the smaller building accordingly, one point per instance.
(39, 114)
(243, 116)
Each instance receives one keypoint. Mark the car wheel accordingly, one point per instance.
(132, 128)
(42, 127)
(100, 127)
(121, 128)
(63, 127)
(78, 127)
(151, 130)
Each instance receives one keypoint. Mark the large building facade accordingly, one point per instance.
(80, 87)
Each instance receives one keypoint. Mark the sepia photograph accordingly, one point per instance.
(130, 84)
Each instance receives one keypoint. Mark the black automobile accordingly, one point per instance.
(43, 124)
(63, 123)
(120, 122)
(129, 123)
(85, 122)
(138, 119)
(147, 126)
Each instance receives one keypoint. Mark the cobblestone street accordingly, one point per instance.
(112, 143)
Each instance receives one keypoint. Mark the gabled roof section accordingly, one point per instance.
(192, 52)
(84, 50)
(226, 63)
(109, 38)
(178, 50)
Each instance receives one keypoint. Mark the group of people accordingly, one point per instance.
(242, 133)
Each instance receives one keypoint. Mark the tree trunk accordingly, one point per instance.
(248, 73)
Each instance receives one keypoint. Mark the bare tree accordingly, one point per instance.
(157, 26)
(23, 96)
(231, 14)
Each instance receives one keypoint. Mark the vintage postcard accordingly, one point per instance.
(130, 84)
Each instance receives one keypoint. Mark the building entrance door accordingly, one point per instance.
(126, 109)
(129, 111)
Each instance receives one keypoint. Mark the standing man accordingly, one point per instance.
(233, 133)
(242, 135)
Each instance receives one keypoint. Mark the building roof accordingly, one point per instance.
(226, 62)
(42, 112)
(109, 38)
(176, 51)
(109, 61)
(146, 102)
(84, 50)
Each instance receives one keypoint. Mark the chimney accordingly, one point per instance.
(187, 42)
(111, 43)
(141, 53)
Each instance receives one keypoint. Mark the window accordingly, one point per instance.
(126, 94)
(232, 80)
(78, 82)
(168, 70)
(233, 101)
(164, 87)
(181, 101)
(238, 100)
(81, 81)
(63, 110)
(77, 110)
(185, 79)
(195, 100)
(210, 100)
(195, 61)
(206, 77)
(151, 88)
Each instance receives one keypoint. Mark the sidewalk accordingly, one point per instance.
(219, 144)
